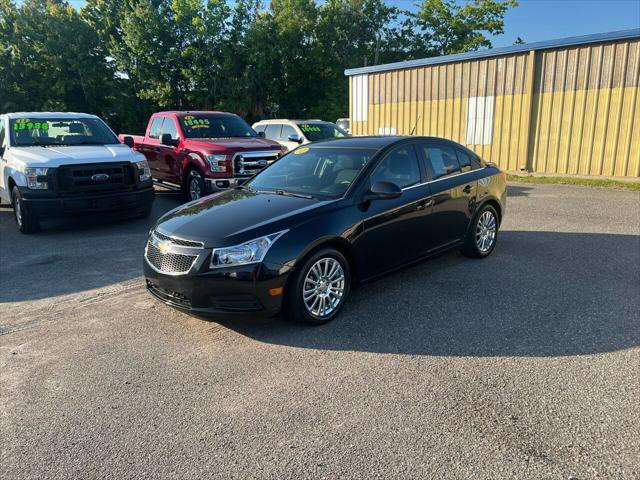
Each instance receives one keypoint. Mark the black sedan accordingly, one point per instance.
(325, 217)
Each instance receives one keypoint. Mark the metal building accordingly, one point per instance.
(568, 106)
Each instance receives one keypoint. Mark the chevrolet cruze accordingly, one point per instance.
(325, 217)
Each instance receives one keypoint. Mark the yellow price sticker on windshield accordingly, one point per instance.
(301, 150)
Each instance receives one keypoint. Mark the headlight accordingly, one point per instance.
(218, 163)
(36, 178)
(144, 173)
(252, 251)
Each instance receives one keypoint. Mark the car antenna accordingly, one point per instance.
(416, 124)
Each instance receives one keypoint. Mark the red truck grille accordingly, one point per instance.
(249, 163)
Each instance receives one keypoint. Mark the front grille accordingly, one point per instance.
(95, 177)
(169, 262)
(238, 302)
(178, 241)
(250, 163)
(171, 296)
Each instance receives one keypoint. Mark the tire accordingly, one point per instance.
(295, 306)
(483, 233)
(25, 221)
(194, 183)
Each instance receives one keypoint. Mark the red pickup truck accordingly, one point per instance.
(201, 152)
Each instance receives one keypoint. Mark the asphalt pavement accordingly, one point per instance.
(522, 365)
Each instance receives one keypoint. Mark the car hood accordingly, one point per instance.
(233, 145)
(235, 216)
(57, 156)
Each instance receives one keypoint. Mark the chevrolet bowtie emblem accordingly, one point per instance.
(163, 247)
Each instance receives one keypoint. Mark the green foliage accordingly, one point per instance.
(123, 59)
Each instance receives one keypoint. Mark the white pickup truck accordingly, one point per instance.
(57, 164)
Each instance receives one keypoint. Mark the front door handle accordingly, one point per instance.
(467, 189)
(425, 204)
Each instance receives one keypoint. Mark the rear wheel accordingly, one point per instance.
(26, 222)
(483, 233)
(319, 288)
(195, 186)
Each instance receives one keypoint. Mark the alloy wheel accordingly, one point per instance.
(323, 288)
(17, 210)
(486, 231)
(194, 188)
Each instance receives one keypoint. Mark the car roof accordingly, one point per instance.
(283, 120)
(181, 113)
(377, 141)
(45, 115)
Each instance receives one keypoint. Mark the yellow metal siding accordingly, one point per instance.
(569, 110)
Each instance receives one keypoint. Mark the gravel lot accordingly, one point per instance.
(523, 365)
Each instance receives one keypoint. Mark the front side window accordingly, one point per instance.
(443, 160)
(156, 127)
(464, 160)
(169, 126)
(64, 132)
(205, 125)
(321, 131)
(272, 131)
(399, 167)
(1, 133)
(315, 171)
(259, 128)
(287, 131)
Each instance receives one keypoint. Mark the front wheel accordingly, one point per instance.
(25, 221)
(319, 288)
(196, 187)
(483, 233)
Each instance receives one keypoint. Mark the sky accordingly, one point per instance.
(537, 20)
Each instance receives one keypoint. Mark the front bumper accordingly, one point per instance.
(229, 291)
(216, 184)
(130, 202)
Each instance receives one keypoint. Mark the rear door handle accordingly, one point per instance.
(467, 189)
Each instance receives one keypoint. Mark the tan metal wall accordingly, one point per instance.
(572, 110)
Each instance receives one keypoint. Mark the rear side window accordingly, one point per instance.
(273, 131)
(156, 126)
(169, 126)
(443, 160)
(1, 132)
(399, 167)
(465, 161)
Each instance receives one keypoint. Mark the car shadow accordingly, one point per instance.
(73, 255)
(518, 191)
(540, 294)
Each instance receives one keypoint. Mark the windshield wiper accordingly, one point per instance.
(292, 194)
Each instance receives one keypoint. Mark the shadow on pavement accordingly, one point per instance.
(540, 294)
(73, 255)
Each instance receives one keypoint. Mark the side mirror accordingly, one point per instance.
(383, 191)
(166, 139)
(294, 137)
(261, 134)
(128, 141)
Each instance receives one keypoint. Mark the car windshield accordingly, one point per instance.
(68, 132)
(215, 126)
(321, 131)
(313, 171)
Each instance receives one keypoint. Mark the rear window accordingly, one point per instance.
(321, 131)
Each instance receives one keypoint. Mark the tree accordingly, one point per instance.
(445, 27)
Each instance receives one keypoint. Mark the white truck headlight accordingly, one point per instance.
(252, 251)
(36, 178)
(217, 163)
(144, 172)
